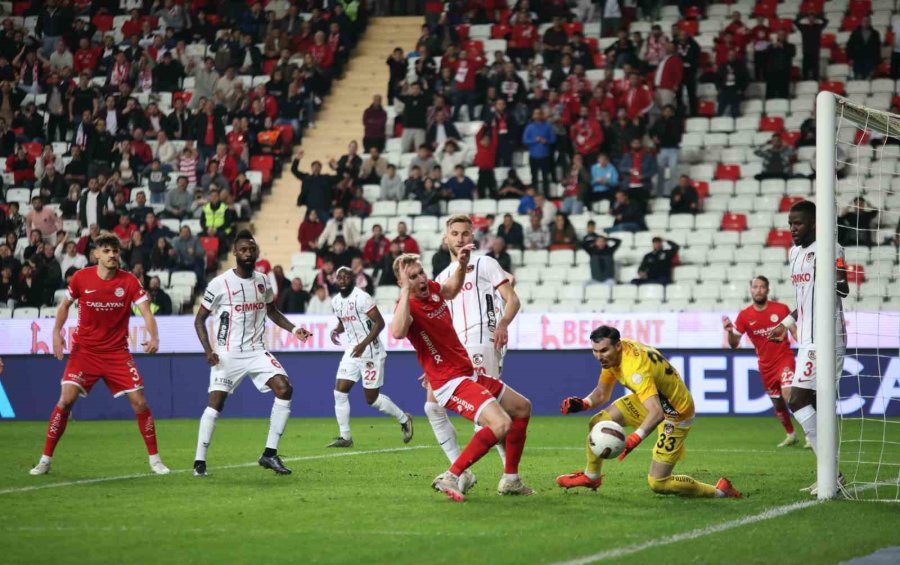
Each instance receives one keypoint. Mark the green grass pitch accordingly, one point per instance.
(374, 504)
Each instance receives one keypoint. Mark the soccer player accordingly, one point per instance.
(776, 361)
(239, 301)
(359, 317)
(658, 400)
(480, 324)
(99, 349)
(423, 316)
(802, 257)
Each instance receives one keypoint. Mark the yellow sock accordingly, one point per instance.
(594, 463)
(681, 485)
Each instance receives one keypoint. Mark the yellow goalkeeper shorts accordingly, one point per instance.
(669, 447)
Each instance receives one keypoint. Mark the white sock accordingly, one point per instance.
(807, 418)
(511, 476)
(281, 411)
(45, 459)
(342, 413)
(444, 431)
(385, 405)
(501, 447)
(155, 459)
(720, 493)
(207, 427)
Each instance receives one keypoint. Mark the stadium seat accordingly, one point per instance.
(779, 238)
(856, 274)
(734, 222)
(408, 208)
(728, 172)
(561, 258)
(773, 256)
(538, 257)
(649, 292)
(625, 293)
(772, 123)
(26, 312)
(688, 274)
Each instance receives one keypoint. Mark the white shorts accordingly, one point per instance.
(486, 360)
(805, 372)
(231, 370)
(369, 369)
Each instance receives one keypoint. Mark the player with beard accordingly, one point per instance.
(360, 319)
(776, 361)
(240, 300)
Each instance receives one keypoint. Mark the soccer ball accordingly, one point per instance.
(607, 440)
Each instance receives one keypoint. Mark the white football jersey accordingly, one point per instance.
(803, 277)
(478, 307)
(238, 309)
(353, 311)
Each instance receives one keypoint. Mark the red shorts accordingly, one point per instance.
(117, 369)
(471, 396)
(778, 376)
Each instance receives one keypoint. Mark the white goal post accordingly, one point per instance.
(866, 447)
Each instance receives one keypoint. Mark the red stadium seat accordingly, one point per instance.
(860, 8)
(498, 31)
(816, 6)
(835, 86)
(287, 134)
(19, 8)
(856, 274)
(850, 23)
(599, 60)
(702, 188)
(33, 149)
(765, 9)
(779, 238)
(269, 66)
(473, 45)
(183, 95)
(693, 12)
(573, 27)
(773, 123)
(263, 164)
(103, 22)
(462, 32)
(787, 202)
(838, 55)
(691, 27)
(706, 108)
(790, 137)
(734, 222)
(211, 246)
(728, 172)
(862, 137)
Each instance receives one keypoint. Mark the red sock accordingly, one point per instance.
(515, 444)
(55, 429)
(148, 431)
(785, 418)
(482, 442)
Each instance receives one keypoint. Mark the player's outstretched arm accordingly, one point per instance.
(336, 332)
(203, 335)
(377, 325)
(279, 319)
(454, 283)
(600, 395)
(734, 338)
(654, 417)
(402, 319)
(59, 341)
(152, 344)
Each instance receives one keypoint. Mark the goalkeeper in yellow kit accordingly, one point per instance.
(659, 399)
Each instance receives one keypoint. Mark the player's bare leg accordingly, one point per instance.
(784, 416)
(519, 410)
(147, 425)
(214, 407)
(445, 434)
(662, 481)
(385, 405)
(68, 395)
(281, 411)
(342, 388)
(591, 477)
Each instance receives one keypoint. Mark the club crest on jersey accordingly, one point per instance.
(478, 359)
(812, 355)
(637, 378)
(668, 428)
(120, 292)
(260, 287)
(370, 365)
(810, 257)
(470, 268)
(773, 318)
(435, 298)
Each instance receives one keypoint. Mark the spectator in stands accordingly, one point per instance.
(656, 266)
(461, 186)
(450, 156)
(689, 51)
(293, 300)
(407, 243)
(49, 274)
(628, 215)
(498, 252)
(317, 188)
(326, 275)
(553, 42)
(666, 135)
(7, 284)
(375, 123)
(430, 197)
(732, 81)
(414, 183)
(586, 135)
(361, 279)
(539, 137)
(538, 235)
(810, 25)
(777, 159)
(779, 63)
(511, 187)
(511, 232)
(376, 247)
(503, 125)
(15, 222)
(189, 254)
(178, 201)
(684, 198)
(160, 302)
(864, 49)
(392, 187)
(340, 254)
(855, 224)
(384, 271)
(212, 176)
(339, 226)
(603, 266)
(319, 303)
(44, 219)
(424, 160)
(68, 255)
(28, 290)
(637, 171)
(415, 105)
(124, 229)
(349, 163)
(562, 233)
(374, 167)
(590, 235)
(217, 219)
(309, 232)
(397, 66)
(576, 185)
(668, 77)
(654, 50)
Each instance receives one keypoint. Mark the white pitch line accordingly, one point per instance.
(216, 468)
(772, 451)
(693, 534)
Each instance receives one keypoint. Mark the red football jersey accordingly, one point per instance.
(432, 335)
(756, 324)
(104, 307)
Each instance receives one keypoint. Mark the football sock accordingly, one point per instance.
(55, 429)
(342, 413)
(281, 411)
(500, 447)
(204, 436)
(482, 442)
(385, 405)
(785, 418)
(683, 485)
(806, 416)
(515, 445)
(444, 431)
(148, 430)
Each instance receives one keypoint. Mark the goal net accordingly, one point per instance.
(858, 207)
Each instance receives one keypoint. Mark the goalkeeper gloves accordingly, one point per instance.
(632, 441)
(574, 404)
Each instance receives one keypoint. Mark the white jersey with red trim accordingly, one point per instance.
(238, 309)
(803, 277)
(353, 311)
(478, 307)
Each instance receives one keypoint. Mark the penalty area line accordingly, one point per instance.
(17, 490)
(690, 535)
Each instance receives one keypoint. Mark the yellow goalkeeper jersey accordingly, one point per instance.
(645, 372)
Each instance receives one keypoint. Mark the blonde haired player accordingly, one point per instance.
(659, 400)
(481, 314)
